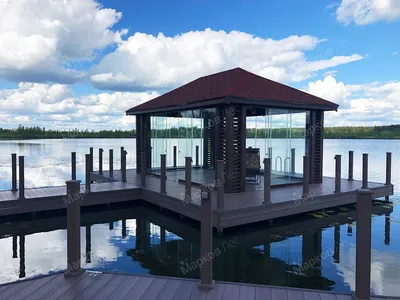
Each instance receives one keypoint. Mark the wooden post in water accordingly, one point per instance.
(188, 179)
(163, 179)
(91, 158)
(87, 173)
(220, 184)
(365, 171)
(174, 154)
(338, 173)
(143, 170)
(363, 244)
(14, 172)
(293, 161)
(206, 239)
(351, 166)
(101, 161)
(306, 176)
(73, 165)
(21, 177)
(197, 156)
(73, 228)
(111, 163)
(267, 181)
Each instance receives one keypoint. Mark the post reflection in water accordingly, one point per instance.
(123, 229)
(22, 273)
(88, 244)
(15, 246)
(257, 257)
(336, 253)
(387, 229)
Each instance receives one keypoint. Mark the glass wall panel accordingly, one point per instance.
(197, 140)
(158, 141)
(173, 138)
(279, 134)
(184, 143)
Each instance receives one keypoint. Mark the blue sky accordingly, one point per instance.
(82, 63)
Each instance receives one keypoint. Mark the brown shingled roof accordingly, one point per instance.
(236, 84)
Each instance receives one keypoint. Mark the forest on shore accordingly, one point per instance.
(356, 132)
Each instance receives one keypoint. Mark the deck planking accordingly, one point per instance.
(96, 285)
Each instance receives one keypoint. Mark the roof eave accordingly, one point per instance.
(225, 100)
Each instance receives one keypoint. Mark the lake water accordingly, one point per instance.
(132, 241)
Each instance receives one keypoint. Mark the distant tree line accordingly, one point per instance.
(37, 132)
(358, 132)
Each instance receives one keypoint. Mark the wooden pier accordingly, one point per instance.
(76, 283)
(96, 286)
(237, 209)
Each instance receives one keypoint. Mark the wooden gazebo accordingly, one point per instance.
(230, 94)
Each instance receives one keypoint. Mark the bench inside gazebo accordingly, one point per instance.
(237, 117)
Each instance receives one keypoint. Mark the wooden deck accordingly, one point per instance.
(52, 198)
(239, 209)
(97, 286)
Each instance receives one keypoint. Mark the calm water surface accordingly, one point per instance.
(129, 239)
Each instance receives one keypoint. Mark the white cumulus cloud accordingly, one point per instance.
(363, 104)
(145, 62)
(55, 105)
(40, 40)
(363, 12)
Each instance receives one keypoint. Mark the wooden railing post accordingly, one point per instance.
(206, 250)
(365, 171)
(87, 172)
(73, 228)
(293, 161)
(14, 172)
(101, 161)
(338, 172)
(351, 166)
(91, 158)
(122, 154)
(123, 165)
(188, 179)
(388, 168)
(306, 175)
(174, 157)
(220, 184)
(363, 244)
(73, 165)
(111, 163)
(163, 178)
(21, 177)
(267, 181)
(143, 170)
(197, 156)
